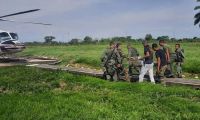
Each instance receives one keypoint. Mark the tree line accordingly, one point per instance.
(51, 40)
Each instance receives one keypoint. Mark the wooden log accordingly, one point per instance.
(179, 81)
(29, 60)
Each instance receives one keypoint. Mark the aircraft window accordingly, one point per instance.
(8, 42)
(14, 36)
(4, 36)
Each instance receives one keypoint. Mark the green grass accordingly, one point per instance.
(90, 54)
(31, 93)
(85, 54)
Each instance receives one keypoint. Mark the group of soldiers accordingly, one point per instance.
(166, 63)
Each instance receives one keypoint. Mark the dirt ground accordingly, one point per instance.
(6, 64)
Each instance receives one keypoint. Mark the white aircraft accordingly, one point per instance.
(9, 42)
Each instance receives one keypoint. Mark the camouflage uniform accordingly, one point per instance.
(133, 60)
(123, 71)
(179, 61)
(161, 74)
(121, 54)
(110, 59)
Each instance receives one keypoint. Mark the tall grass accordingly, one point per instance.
(31, 93)
(90, 54)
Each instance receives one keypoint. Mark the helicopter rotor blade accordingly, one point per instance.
(25, 22)
(18, 13)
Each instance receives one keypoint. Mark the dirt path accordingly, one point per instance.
(6, 64)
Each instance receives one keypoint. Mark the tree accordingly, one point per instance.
(148, 37)
(173, 39)
(128, 38)
(104, 40)
(74, 41)
(197, 15)
(49, 39)
(87, 39)
(163, 38)
(196, 39)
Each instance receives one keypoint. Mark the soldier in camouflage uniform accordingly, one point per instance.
(179, 59)
(122, 70)
(111, 61)
(122, 55)
(133, 60)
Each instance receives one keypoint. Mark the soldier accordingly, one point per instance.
(161, 61)
(179, 59)
(133, 59)
(121, 70)
(169, 58)
(119, 49)
(147, 64)
(111, 60)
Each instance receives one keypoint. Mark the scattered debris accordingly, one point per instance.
(62, 84)
(6, 64)
(196, 76)
(29, 60)
(32, 65)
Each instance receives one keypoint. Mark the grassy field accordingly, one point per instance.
(90, 54)
(28, 93)
(32, 94)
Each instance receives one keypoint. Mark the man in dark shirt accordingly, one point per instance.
(169, 56)
(147, 64)
(149, 58)
(161, 60)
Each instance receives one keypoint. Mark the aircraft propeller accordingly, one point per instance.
(23, 12)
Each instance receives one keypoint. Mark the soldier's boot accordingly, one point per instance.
(105, 75)
(169, 71)
(161, 74)
(179, 75)
(158, 78)
(108, 77)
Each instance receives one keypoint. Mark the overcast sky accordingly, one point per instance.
(101, 18)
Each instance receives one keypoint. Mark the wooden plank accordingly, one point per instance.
(81, 71)
(29, 60)
(179, 81)
(96, 73)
